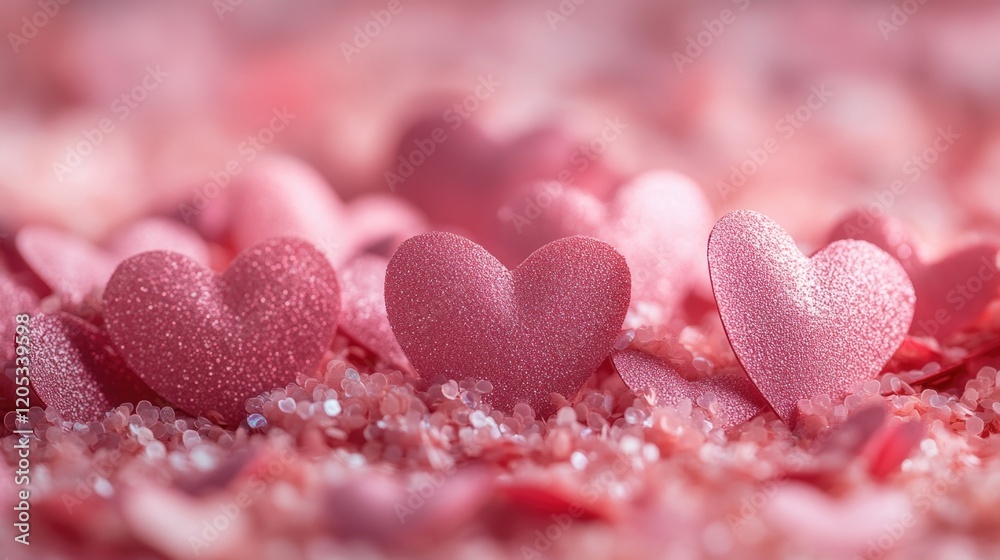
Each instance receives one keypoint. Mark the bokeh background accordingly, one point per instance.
(698, 87)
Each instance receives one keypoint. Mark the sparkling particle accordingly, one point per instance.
(255, 421)
(332, 407)
(286, 405)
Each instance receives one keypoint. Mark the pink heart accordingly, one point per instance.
(362, 315)
(544, 327)
(803, 327)
(467, 177)
(75, 268)
(14, 300)
(207, 342)
(738, 399)
(76, 370)
(951, 293)
(282, 196)
(659, 221)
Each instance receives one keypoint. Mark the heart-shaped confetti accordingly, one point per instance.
(76, 370)
(207, 342)
(659, 221)
(362, 315)
(282, 196)
(542, 328)
(75, 268)
(736, 397)
(951, 293)
(803, 327)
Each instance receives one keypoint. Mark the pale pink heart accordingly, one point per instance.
(76, 268)
(362, 313)
(737, 398)
(207, 342)
(659, 221)
(542, 328)
(76, 370)
(282, 196)
(803, 327)
(951, 293)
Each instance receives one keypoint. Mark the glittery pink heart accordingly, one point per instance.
(75, 369)
(659, 221)
(362, 315)
(738, 400)
(951, 293)
(542, 328)
(803, 327)
(282, 196)
(74, 267)
(207, 341)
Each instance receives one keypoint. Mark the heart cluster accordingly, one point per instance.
(176, 332)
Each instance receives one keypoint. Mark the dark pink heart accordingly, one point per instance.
(738, 400)
(207, 342)
(76, 370)
(542, 328)
(75, 268)
(362, 314)
(471, 173)
(803, 327)
(951, 293)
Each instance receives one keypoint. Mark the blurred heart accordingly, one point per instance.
(543, 327)
(951, 293)
(75, 268)
(803, 327)
(659, 221)
(736, 397)
(76, 370)
(207, 342)
(460, 176)
(282, 196)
